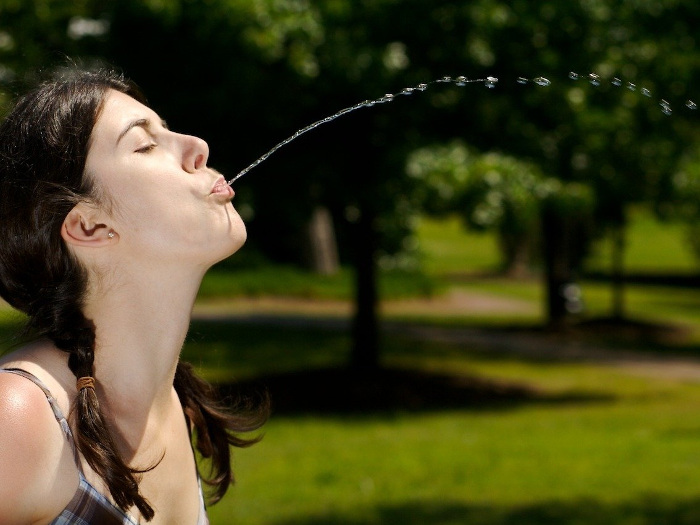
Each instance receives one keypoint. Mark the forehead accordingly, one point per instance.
(118, 110)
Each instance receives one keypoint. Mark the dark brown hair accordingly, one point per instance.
(44, 142)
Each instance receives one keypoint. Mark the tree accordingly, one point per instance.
(36, 34)
(331, 54)
(247, 73)
(537, 218)
(491, 191)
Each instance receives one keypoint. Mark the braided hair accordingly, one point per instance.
(44, 143)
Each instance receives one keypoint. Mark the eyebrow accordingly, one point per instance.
(138, 123)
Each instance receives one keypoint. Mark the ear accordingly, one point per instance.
(82, 227)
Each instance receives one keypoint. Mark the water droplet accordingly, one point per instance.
(407, 91)
(445, 79)
(491, 82)
(522, 80)
(541, 81)
(386, 98)
(461, 80)
(631, 86)
(573, 75)
(594, 79)
(666, 107)
(422, 87)
(616, 82)
(645, 92)
(368, 103)
(691, 105)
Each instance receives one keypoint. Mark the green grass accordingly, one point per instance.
(230, 351)
(454, 257)
(652, 247)
(623, 449)
(665, 304)
(287, 281)
(450, 248)
(456, 466)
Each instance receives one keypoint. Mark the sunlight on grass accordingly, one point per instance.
(351, 470)
(287, 281)
(652, 246)
(448, 247)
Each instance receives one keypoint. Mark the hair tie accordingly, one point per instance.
(85, 382)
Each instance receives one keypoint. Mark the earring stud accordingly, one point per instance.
(110, 235)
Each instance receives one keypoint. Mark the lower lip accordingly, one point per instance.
(224, 190)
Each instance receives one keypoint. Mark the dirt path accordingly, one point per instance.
(456, 302)
(530, 344)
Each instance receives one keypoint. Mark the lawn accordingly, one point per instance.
(597, 444)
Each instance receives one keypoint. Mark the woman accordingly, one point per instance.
(108, 222)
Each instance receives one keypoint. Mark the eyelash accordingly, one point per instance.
(146, 149)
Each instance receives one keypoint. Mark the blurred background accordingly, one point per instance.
(470, 305)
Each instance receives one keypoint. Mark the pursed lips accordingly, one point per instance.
(222, 188)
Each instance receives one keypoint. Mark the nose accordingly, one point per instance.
(195, 153)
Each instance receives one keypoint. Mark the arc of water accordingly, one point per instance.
(489, 82)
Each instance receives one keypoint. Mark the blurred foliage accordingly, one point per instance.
(493, 191)
(245, 74)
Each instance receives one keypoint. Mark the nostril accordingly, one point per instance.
(195, 153)
(200, 161)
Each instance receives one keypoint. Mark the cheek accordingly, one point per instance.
(139, 210)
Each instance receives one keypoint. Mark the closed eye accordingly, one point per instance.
(147, 149)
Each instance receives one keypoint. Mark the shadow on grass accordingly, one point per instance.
(593, 340)
(343, 390)
(590, 340)
(302, 362)
(648, 511)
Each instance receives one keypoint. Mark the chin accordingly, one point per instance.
(239, 241)
(224, 243)
(237, 238)
(220, 256)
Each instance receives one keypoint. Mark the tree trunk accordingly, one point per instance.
(365, 331)
(515, 250)
(322, 246)
(618, 272)
(558, 236)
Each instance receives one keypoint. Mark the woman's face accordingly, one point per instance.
(167, 205)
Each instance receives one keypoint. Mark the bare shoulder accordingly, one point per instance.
(32, 454)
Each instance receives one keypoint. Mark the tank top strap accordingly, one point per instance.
(62, 421)
(88, 501)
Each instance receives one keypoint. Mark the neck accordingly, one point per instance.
(141, 323)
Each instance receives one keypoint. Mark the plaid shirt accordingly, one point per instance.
(88, 506)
